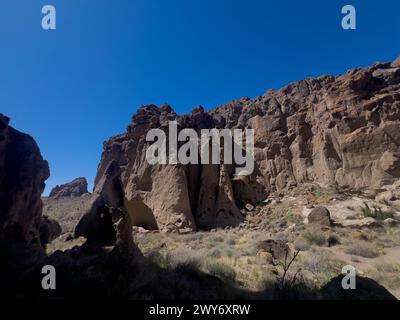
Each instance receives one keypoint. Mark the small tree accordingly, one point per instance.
(285, 281)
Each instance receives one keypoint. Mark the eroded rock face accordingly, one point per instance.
(97, 223)
(342, 130)
(22, 175)
(75, 188)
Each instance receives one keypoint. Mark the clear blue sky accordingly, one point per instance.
(74, 87)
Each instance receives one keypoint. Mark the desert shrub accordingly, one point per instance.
(367, 211)
(314, 237)
(215, 253)
(282, 237)
(376, 212)
(389, 238)
(216, 238)
(388, 274)
(362, 249)
(157, 258)
(321, 264)
(192, 237)
(222, 271)
(324, 194)
(362, 235)
(188, 267)
(301, 289)
(334, 239)
(230, 253)
(301, 244)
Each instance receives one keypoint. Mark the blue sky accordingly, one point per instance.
(73, 87)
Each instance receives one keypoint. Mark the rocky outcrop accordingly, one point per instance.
(75, 188)
(22, 175)
(278, 249)
(342, 130)
(97, 223)
(49, 230)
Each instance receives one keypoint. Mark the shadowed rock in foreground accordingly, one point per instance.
(366, 289)
(22, 175)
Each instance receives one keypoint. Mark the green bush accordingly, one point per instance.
(314, 237)
(222, 271)
(376, 212)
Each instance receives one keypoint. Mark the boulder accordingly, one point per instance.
(277, 248)
(319, 216)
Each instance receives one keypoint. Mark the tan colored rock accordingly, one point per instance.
(391, 222)
(265, 257)
(342, 130)
(385, 196)
(278, 249)
(396, 63)
(360, 223)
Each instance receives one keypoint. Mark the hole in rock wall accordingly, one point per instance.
(141, 215)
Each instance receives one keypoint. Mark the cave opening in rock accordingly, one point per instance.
(141, 215)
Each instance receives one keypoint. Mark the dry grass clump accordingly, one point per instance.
(314, 237)
(362, 249)
(222, 271)
(387, 274)
(321, 264)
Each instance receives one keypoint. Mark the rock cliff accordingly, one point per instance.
(342, 130)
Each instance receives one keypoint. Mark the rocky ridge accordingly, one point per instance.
(75, 188)
(334, 130)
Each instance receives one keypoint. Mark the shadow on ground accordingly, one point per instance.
(93, 272)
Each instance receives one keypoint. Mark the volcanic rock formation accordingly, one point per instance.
(22, 175)
(342, 130)
(75, 188)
